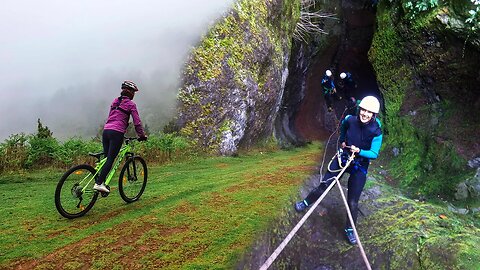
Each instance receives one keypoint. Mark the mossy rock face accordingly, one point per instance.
(233, 80)
(404, 234)
(428, 74)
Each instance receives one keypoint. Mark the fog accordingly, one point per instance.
(64, 61)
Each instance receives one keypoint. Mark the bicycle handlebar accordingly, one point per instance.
(129, 139)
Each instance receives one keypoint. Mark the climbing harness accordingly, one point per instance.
(342, 157)
(343, 167)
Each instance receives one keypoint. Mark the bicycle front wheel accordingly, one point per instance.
(74, 195)
(133, 179)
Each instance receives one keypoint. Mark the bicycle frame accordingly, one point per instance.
(124, 151)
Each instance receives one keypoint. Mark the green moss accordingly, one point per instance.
(421, 236)
(235, 47)
(424, 164)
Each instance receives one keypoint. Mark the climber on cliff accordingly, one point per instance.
(362, 135)
(329, 90)
(348, 84)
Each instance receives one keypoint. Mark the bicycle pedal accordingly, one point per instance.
(105, 194)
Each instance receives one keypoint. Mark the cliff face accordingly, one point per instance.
(233, 82)
(427, 66)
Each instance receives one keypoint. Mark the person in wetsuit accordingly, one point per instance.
(362, 134)
(329, 90)
(348, 84)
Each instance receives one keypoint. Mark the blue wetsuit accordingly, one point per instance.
(349, 85)
(367, 137)
(328, 90)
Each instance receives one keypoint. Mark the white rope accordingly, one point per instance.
(364, 256)
(287, 239)
(328, 142)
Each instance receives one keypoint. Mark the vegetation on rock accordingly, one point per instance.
(430, 94)
(234, 79)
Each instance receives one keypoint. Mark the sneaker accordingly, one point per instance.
(101, 188)
(300, 206)
(351, 236)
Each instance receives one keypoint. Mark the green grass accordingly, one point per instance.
(193, 215)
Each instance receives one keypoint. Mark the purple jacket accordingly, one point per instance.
(120, 114)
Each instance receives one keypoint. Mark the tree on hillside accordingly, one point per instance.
(43, 131)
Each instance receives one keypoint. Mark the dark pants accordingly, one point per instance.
(356, 182)
(348, 91)
(112, 141)
(328, 100)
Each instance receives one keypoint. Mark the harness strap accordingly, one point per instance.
(327, 90)
(342, 161)
(117, 107)
(358, 166)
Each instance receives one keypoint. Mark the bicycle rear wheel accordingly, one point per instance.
(133, 179)
(74, 195)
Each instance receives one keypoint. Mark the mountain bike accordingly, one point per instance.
(75, 196)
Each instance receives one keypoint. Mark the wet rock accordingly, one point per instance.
(457, 26)
(474, 185)
(383, 172)
(434, 120)
(461, 192)
(461, 211)
(469, 188)
(474, 163)
(396, 151)
(372, 193)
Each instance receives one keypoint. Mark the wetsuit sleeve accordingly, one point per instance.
(137, 122)
(374, 148)
(343, 128)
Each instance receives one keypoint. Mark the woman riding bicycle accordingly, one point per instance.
(116, 127)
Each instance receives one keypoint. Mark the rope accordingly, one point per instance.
(287, 239)
(364, 256)
(328, 142)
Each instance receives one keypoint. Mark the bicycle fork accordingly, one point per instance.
(131, 177)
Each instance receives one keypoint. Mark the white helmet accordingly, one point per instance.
(343, 75)
(328, 73)
(370, 103)
(130, 85)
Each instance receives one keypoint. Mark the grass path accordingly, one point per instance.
(193, 215)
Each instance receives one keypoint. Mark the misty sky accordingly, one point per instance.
(64, 61)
